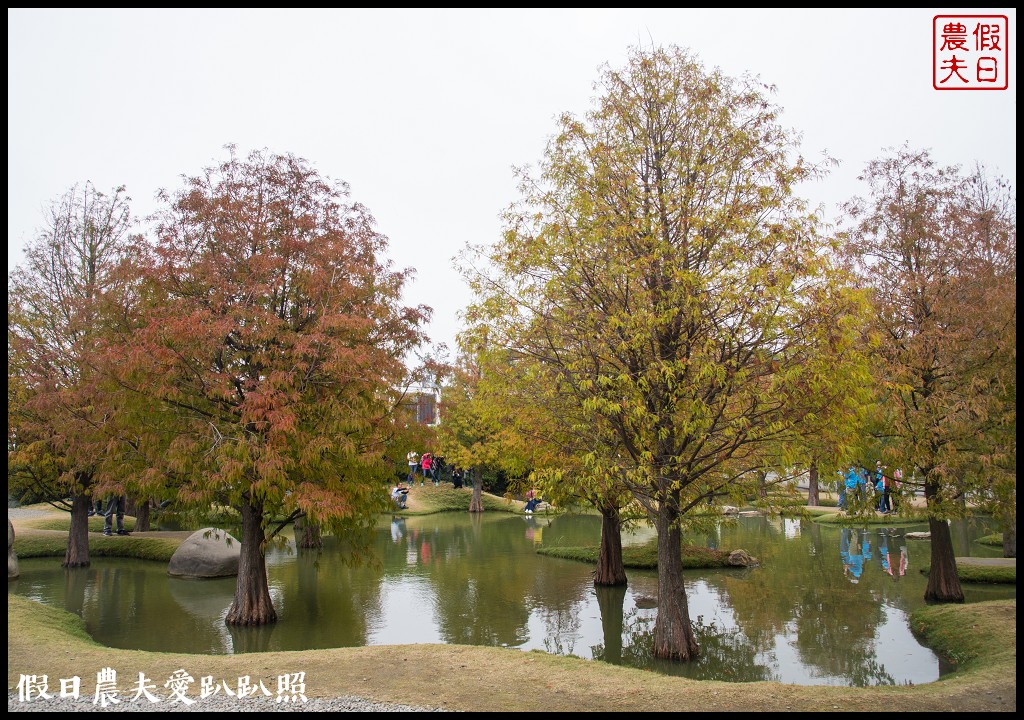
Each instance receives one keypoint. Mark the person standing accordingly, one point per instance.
(882, 488)
(413, 461)
(850, 485)
(863, 492)
(115, 506)
(427, 465)
(894, 489)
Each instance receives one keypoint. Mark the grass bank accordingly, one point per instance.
(980, 638)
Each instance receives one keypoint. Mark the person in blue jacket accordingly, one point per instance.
(848, 488)
(864, 486)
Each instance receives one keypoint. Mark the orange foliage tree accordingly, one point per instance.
(937, 249)
(272, 355)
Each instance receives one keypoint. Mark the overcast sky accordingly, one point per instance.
(425, 112)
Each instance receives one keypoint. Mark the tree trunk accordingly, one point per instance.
(673, 633)
(476, 503)
(762, 484)
(307, 534)
(1010, 541)
(252, 604)
(77, 553)
(142, 515)
(812, 484)
(610, 600)
(610, 570)
(943, 581)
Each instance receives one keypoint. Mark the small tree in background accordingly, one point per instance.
(62, 304)
(470, 434)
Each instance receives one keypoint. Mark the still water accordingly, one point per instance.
(826, 607)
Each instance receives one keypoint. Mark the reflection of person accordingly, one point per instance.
(844, 549)
(531, 529)
(115, 506)
(883, 553)
(902, 567)
(397, 525)
(849, 551)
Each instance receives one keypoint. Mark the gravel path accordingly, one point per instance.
(23, 514)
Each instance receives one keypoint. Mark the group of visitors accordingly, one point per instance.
(431, 466)
(880, 489)
(426, 466)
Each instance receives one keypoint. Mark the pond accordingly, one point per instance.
(826, 607)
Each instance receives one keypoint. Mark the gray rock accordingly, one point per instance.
(740, 558)
(12, 557)
(919, 535)
(207, 553)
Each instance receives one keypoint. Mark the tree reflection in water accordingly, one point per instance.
(798, 618)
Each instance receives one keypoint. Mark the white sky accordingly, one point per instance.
(424, 112)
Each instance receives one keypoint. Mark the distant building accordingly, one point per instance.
(422, 401)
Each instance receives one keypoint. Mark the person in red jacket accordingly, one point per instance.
(427, 464)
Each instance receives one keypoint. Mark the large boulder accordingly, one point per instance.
(12, 557)
(207, 553)
(740, 558)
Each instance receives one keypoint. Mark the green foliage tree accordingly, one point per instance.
(470, 435)
(661, 265)
(938, 251)
(273, 355)
(61, 304)
(560, 445)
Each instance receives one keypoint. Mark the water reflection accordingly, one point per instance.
(827, 606)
